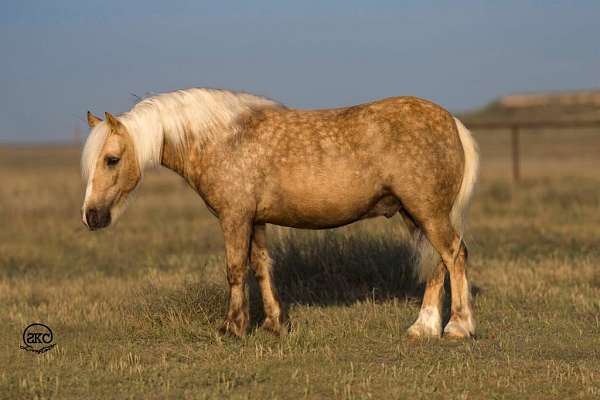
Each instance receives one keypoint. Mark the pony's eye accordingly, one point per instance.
(112, 161)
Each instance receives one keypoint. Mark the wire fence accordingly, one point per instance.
(514, 128)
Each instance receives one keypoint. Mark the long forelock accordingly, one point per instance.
(91, 150)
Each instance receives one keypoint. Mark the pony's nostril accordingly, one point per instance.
(92, 217)
(97, 218)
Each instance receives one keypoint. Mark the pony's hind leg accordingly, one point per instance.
(454, 255)
(462, 321)
(429, 322)
(262, 264)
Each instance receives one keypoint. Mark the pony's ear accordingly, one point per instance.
(92, 120)
(112, 122)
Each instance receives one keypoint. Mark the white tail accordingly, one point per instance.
(428, 256)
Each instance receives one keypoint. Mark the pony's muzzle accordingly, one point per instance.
(97, 218)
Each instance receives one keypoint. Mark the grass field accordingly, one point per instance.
(135, 309)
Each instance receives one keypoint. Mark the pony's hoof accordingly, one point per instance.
(427, 325)
(276, 327)
(420, 330)
(457, 330)
(230, 328)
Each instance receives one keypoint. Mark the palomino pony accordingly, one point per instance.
(254, 161)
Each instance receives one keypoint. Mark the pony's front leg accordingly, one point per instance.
(236, 232)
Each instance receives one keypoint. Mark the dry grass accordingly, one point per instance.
(135, 309)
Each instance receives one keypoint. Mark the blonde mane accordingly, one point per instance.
(204, 113)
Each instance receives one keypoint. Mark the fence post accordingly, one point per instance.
(516, 162)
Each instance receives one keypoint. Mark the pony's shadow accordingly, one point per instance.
(327, 268)
(321, 269)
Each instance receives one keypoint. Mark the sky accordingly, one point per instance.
(60, 58)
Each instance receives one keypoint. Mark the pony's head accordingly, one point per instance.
(110, 165)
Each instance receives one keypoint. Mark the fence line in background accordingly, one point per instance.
(515, 129)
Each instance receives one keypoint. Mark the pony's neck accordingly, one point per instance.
(174, 157)
(148, 133)
(156, 146)
(163, 126)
